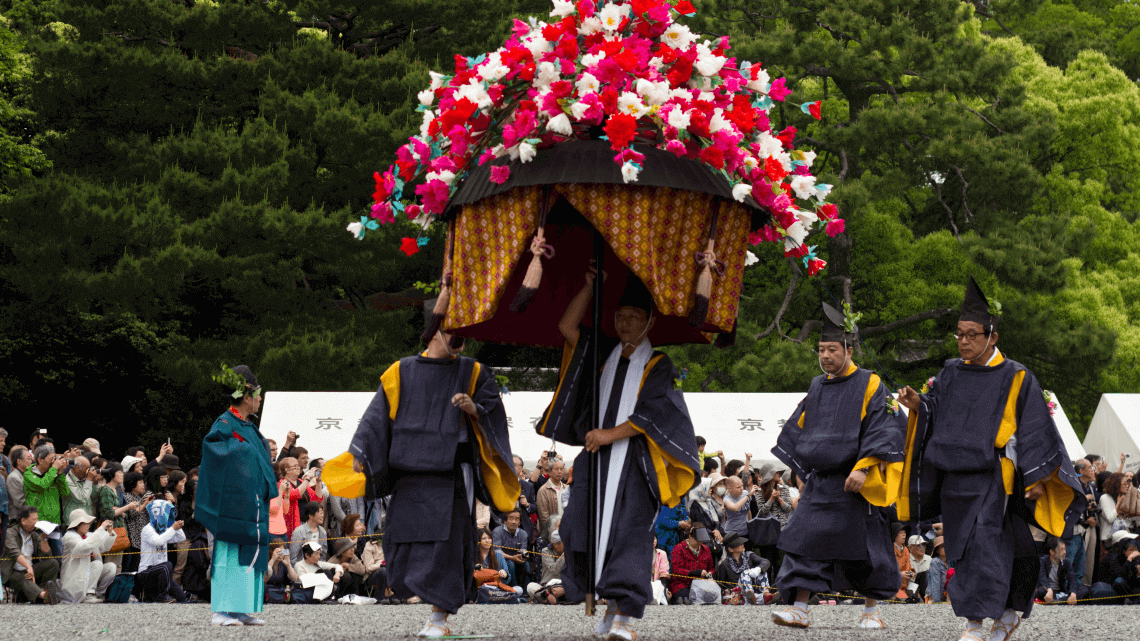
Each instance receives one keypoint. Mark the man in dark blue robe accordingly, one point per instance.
(983, 451)
(846, 441)
(435, 439)
(646, 451)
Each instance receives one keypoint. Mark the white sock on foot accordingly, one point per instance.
(801, 605)
(867, 610)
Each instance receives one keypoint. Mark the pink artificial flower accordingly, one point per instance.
(445, 163)
(628, 154)
(827, 211)
(385, 184)
(413, 211)
(779, 90)
(435, 194)
(421, 149)
(765, 233)
(835, 227)
(383, 212)
(801, 170)
(520, 28)
(733, 83)
(677, 147)
(486, 156)
(459, 142)
(500, 174)
(550, 104)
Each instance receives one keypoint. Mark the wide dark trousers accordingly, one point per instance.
(43, 571)
(439, 572)
(989, 543)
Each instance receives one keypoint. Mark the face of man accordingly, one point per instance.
(973, 342)
(1088, 472)
(46, 462)
(833, 357)
(917, 551)
(557, 469)
(319, 517)
(3, 442)
(735, 486)
(141, 455)
(518, 467)
(557, 547)
(513, 521)
(1058, 554)
(30, 523)
(24, 462)
(272, 450)
(632, 324)
(303, 460)
(80, 468)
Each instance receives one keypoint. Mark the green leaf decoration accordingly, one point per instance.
(850, 319)
(231, 379)
(995, 307)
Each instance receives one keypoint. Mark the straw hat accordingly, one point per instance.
(78, 517)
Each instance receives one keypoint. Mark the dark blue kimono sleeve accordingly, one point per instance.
(884, 433)
(789, 437)
(661, 413)
(370, 444)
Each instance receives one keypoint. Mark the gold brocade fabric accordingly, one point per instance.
(656, 231)
(490, 236)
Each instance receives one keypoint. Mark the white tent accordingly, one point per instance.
(1115, 430)
(1068, 434)
(326, 421)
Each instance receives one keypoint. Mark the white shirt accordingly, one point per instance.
(28, 548)
(154, 545)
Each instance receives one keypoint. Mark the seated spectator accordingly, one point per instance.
(672, 526)
(1121, 565)
(280, 574)
(936, 575)
(311, 562)
(511, 540)
(155, 578)
(1115, 486)
(919, 562)
(733, 571)
(352, 579)
(549, 587)
(24, 566)
(490, 557)
(353, 528)
(84, 576)
(376, 570)
(660, 562)
(902, 556)
(310, 530)
(706, 510)
(1057, 580)
(690, 560)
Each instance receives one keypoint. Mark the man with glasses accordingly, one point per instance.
(983, 452)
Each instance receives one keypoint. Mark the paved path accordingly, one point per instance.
(149, 622)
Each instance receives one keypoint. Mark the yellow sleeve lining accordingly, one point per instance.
(881, 488)
(391, 382)
(1051, 507)
(674, 479)
(500, 479)
(903, 506)
(872, 387)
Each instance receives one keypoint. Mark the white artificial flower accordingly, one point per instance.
(808, 157)
(760, 84)
(591, 59)
(612, 15)
(590, 26)
(427, 96)
(537, 45)
(446, 176)
(750, 162)
(476, 92)
(821, 192)
(807, 218)
(436, 80)
(708, 63)
(785, 161)
(750, 258)
(629, 172)
(493, 69)
(656, 62)
(741, 191)
(425, 219)
(804, 186)
(560, 124)
(499, 150)
(769, 145)
(654, 93)
(796, 235)
(681, 93)
(717, 122)
(562, 8)
(547, 73)
(630, 103)
(429, 115)
(678, 36)
(587, 83)
(679, 118)
(527, 152)
(356, 229)
(579, 109)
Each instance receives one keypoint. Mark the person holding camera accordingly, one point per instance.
(84, 575)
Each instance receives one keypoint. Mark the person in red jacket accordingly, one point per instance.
(690, 560)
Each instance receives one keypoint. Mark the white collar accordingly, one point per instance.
(992, 357)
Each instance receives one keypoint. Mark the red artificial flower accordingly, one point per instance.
(384, 185)
(815, 265)
(813, 108)
(409, 246)
(742, 114)
(713, 157)
(827, 211)
(460, 64)
(458, 115)
(787, 136)
(413, 212)
(561, 88)
(407, 169)
(774, 169)
(685, 8)
(620, 129)
(552, 32)
(681, 71)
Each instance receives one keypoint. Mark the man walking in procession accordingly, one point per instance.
(983, 451)
(646, 452)
(435, 439)
(846, 441)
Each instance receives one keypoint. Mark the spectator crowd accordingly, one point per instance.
(81, 527)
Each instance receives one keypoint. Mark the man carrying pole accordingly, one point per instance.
(646, 453)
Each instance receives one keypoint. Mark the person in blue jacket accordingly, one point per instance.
(235, 484)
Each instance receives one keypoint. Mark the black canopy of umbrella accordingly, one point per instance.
(591, 162)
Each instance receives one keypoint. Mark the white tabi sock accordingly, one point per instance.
(438, 616)
(801, 605)
(1010, 617)
(867, 610)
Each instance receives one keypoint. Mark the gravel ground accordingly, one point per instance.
(150, 622)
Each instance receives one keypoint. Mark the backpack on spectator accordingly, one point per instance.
(121, 588)
(490, 594)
